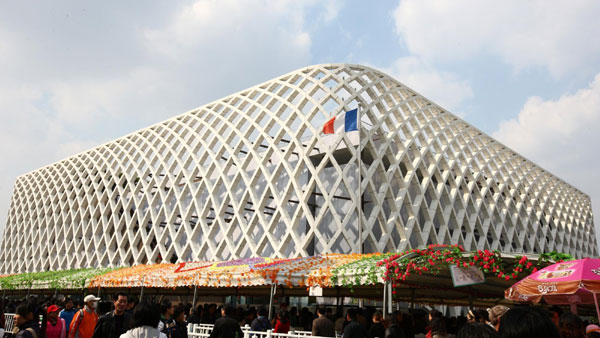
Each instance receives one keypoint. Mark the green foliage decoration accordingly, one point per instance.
(64, 279)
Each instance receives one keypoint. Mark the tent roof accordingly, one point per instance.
(339, 274)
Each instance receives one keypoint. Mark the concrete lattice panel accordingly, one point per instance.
(251, 175)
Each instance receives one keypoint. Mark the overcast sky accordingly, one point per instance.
(75, 74)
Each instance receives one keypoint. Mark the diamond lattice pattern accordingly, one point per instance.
(250, 175)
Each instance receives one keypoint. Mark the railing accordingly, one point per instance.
(204, 330)
(9, 322)
(199, 330)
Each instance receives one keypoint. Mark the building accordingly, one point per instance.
(251, 175)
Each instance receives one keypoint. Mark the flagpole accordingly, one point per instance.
(359, 158)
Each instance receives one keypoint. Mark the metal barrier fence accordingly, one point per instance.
(9, 322)
(204, 330)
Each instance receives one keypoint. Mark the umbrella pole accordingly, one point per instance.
(596, 303)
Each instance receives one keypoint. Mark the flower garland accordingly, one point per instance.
(434, 258)
(347, 270)
(362, 270)
(74, 279)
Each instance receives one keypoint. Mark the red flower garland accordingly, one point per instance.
(435, 257)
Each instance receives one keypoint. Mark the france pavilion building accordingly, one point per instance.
(253, 174)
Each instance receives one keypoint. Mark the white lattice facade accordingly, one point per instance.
(251, 175)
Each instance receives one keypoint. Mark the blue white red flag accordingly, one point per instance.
(345, 122)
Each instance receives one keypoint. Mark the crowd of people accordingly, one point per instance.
(124, 317)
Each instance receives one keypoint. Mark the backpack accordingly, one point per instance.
(32, 331)
(167, 327)
(79, 320)
(264, 324)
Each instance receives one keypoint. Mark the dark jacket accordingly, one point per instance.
(377, 330)
(355, 330)
(394, 331)
(107, 326)
(323, 327)
(24, 333)
(194, 319)
(226, 327)
(260, 324)
(179, 330)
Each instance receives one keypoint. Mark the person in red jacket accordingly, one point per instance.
(282, 324)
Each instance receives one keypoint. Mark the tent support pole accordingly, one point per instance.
(195, 293)
(412, 298)
(384, 310)
(596, 303)
(142, 290)
(390, 298)
(338, 303)
(234, 299)
(273, 290)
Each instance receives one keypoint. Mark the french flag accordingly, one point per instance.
(345, 122)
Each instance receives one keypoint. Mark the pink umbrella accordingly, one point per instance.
(571, 282)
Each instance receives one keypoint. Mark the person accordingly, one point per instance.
(571, 326)
(437, 325)
(472, 317)
(166, 321)
(482, 316)
(68, 312)
(56, 326)
(226, 327)
(103, 307)
(194, 317)
(377, 329)
(329, 314)
(340, 323)
(282, 324)
(146, 317)
(261, 323)
(437, 328)
(393, 329)
(524, 321)
(131, 303)
(495, 313)
(293, 317)
(179, 330)
(305, 319)
(209, 315)
(250, 315)
(26, 319)
(477, 330)
(556, 312)
(406, 322)
(592, 328)
(113, 324)
(84, 321)
(323, 326)
(354, 329)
